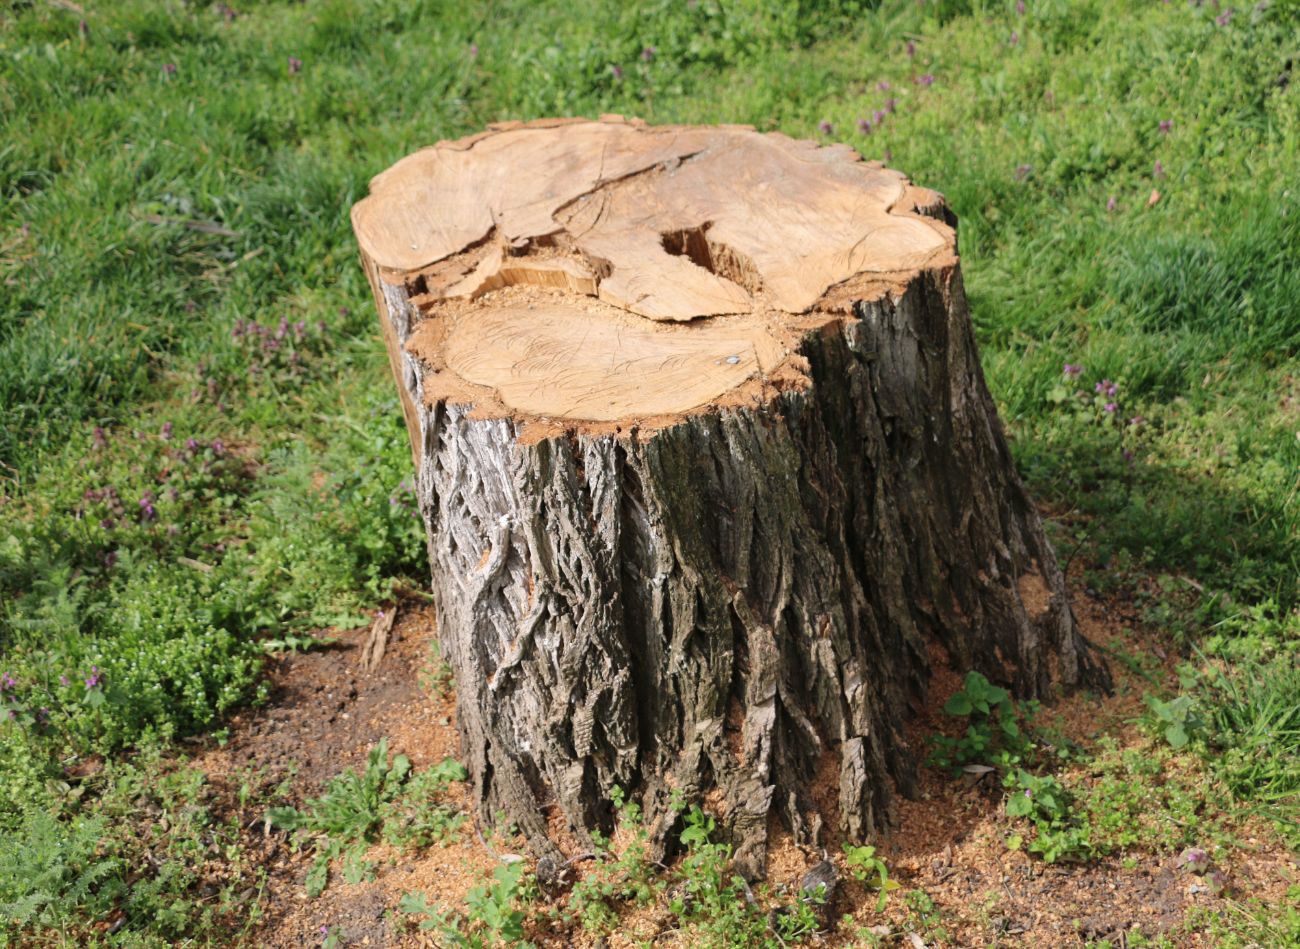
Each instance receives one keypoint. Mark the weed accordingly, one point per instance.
(387, 799)
(1176, 719)
(1047, 806)
(995, 733)
(492, 918)
(130, 855)
(615, 880)
(870, 870)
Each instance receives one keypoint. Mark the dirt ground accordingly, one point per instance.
(325, 713)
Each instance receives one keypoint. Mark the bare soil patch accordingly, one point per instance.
(325, 713)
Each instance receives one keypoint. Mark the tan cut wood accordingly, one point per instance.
(671, 267)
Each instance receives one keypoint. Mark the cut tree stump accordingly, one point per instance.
(708, 468)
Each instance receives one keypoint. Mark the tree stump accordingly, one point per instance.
(708, 467)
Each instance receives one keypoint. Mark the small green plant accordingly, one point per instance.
(1176, 720)
(293, 642)
(386, 798)
(492, 917)
(711, 899)
(1046, 804)
(615, 879)
(716, 908)
(995, 734)
(801, 919)
(870, 870)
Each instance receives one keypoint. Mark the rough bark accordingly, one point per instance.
(740, 598)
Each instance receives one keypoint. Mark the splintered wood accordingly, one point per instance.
(655, 270)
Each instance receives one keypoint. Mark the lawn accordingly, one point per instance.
(203, 462)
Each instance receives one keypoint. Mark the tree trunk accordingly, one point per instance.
(707, 465)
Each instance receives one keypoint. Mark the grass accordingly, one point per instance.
(180, 486)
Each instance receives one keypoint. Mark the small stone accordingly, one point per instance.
(821, 876)
(732, 360)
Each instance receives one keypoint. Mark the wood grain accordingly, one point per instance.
(662, 225)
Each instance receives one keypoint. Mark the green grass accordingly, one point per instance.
(121, 322)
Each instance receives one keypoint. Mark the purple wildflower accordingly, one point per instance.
(825, 127)
(1224, 18)
(1159, 169)
(883, 86)
(167, 431)
(1111, 204)
(1072, 371)
(926, 80)
(7, 682)
(1166, 126)
(169, 69)
(1128, 456)
(107, 524)
(1020, 7)
(1106, 387)
(891, 105)
(191, 446)
(1028, 793)
(473, 49)
(911, 48)
(295, 65)
(616, 71)
(1015, 38)
(1137, 421)
(63, 680)
(94, 680)
(218, 447)
(99, 437)
(864, 126)
(1110, 408)
(648, 53)
(147, 510)
(878, 116)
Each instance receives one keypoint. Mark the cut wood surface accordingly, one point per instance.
(640, 232)
(709, 472)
